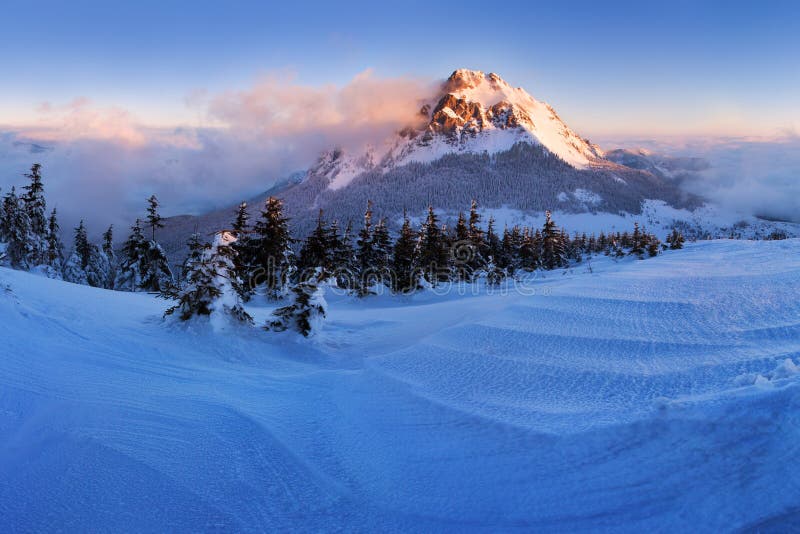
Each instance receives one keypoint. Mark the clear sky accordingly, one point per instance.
(607, 67)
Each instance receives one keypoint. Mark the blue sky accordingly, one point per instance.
(608, 67)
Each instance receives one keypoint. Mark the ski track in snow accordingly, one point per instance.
(609, 401)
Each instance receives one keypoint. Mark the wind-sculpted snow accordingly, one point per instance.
(627, 398)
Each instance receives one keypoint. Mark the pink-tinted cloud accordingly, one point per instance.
(365, 110)
(101, 162)
(80, 119)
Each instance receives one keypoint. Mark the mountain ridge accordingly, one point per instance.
(477, 137)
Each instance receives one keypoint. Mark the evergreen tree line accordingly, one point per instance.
(31, 240)
(258, 259)
(370, 259)
(263, 254)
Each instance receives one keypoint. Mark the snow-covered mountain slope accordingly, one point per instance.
(641, 396)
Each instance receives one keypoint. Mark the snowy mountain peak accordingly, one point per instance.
(466, 79)
(473, 112)
(475, 103)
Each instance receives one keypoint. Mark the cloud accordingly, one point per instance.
(100, 163)
(365, 110)
(751, 175)
(79, 120)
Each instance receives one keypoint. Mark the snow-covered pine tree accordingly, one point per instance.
(528, 250)
(637, 242)
(493, 245)
(75, 267)
(156, 274)
(675, 240)
(432, 252)
(553, 254)
(344, 257)
(154, 219)
(405, 274)
(317, 250)
(55, 249)
(463, 251)
(35, 206)
(87, 264)
(129, 272)
(15, 228)
(210, 289)
(574, 246)
(111, 257)
(241, 221)
(241, 227)
(366, 256)
(307, 310)
(382, 244)
(653, 245)
(196, 248)
(476, 236)
(494, 274)
(269, 250)
(510, 258)
(98, 268)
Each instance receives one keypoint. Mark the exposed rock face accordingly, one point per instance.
(452, 113)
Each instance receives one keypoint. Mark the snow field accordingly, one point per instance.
(627, 399)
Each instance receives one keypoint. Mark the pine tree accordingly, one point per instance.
(675, 240)
(317, 250)
(405, 277)
(210, 288)
(475, 231)
(16, 231)
(637, 241)
(653, 246)
(494, 274)
(242, 258)
(344, 257)
(82, 265)
(364, 253)
(510, 256)
(145, 265)
(480, 251)
(529, 250)
(55, 249)
(36, 209)
(269, 251)
(553, 254)
(493, 245)
(87, 264)
(382, 245)
(241, 222)
(156, 274)
(82, 247)
(153, 217)
(369, 264)
(196, 248)
(464, 251)
(307, 310)
(129, 273)
(432, 251)
(111, 257)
